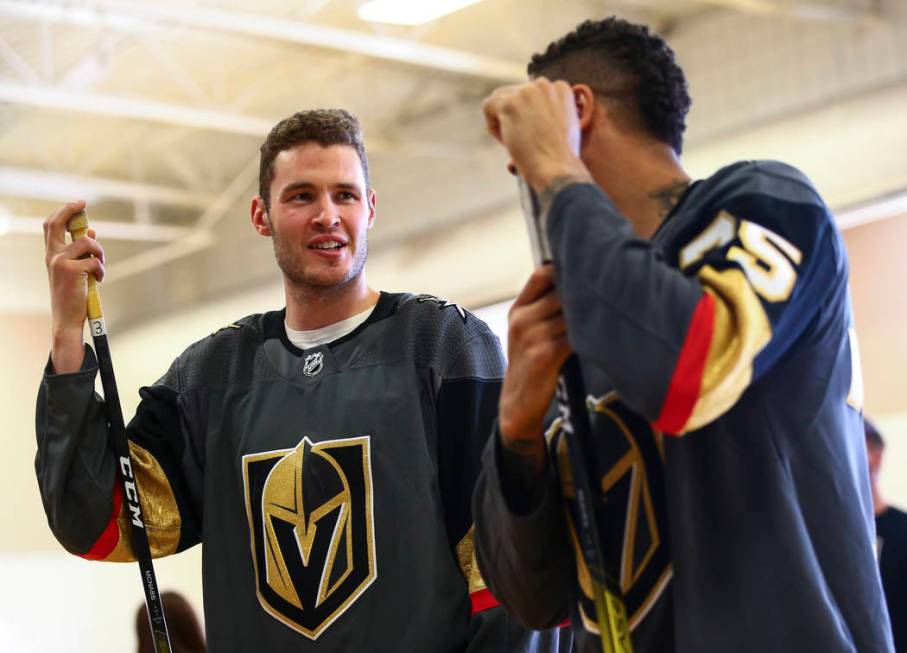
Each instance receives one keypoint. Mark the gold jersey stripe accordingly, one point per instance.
(466, 558)
(159, 510)
(740, 331)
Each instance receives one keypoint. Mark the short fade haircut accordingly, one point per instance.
(873, 437)
(322, 126)
(626, 62)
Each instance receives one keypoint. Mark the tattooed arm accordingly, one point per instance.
(520, 537)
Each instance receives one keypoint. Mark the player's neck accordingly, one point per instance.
(311, 307)
(645, 184)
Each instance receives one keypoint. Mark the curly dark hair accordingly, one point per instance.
(873, 436)
(322, 126)
(627, 63)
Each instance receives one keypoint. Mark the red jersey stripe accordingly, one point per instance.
(110, 536)
(482, 600)
(686, 382)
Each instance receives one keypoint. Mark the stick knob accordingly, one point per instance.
(78, 227)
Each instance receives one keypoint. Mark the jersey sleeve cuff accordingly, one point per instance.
(524, 511)
(89, 366)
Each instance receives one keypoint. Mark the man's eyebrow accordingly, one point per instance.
(300, 185)
(297, 185)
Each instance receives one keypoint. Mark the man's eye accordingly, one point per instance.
(301, 197)
(347, 196)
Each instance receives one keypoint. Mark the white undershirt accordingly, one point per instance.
(315, 337)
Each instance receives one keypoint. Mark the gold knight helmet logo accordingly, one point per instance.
(627, 456)
(311, 523)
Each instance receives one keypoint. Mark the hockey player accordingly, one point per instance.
(891, 539)
(713, 325)
(324, 454)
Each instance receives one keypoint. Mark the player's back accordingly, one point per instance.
(768, 504)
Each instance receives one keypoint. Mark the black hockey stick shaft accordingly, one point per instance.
(611, 613)
(78, 227)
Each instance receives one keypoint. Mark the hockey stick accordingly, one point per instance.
(78, 227)
(610, 612)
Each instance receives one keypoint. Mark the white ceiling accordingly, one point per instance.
(154, 112)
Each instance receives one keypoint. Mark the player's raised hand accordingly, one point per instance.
(537, 348)
(68, 267)
(539, 122)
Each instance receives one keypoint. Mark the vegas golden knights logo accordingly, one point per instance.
(629, 457)
(312, 529)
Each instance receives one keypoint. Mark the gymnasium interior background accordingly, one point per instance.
(153, 111)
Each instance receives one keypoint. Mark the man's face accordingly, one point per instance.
(319, 216)
(874, 458)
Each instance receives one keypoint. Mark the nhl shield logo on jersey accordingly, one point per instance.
(312, 529)
(313, 364)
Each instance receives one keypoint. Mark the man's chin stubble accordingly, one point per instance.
(306, 284)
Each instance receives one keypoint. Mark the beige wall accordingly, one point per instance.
(878, 281)
(25, 341)
(54, 601)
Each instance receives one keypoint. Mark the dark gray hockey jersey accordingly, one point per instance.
(727, 446)
(330, 487)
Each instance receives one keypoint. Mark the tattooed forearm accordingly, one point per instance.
(521, 477)
(549, 192)
(668, 196)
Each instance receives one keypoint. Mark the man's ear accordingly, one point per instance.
(372, 199)
(585, 100)
(258, 213)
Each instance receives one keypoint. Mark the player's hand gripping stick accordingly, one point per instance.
(78, 227)
(610, 611)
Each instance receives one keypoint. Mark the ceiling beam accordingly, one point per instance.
(129, 231)
(72, 14)
(115, 14)
(62, 187)
(49, 97)
(330, 38)
(809, 11)
(882, 208)
(12, 59)
(199, 238)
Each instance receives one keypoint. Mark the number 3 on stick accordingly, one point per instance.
(78, 227)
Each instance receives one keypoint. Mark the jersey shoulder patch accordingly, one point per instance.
(232, 325)
(443, 304)
(435, 331)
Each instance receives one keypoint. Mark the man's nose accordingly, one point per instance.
(328, 213)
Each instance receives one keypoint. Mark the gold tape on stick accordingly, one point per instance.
(611, 615)
(162, 642)
(78, 227)
(618, 625)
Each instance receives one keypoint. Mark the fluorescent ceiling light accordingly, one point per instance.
(410, 12)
